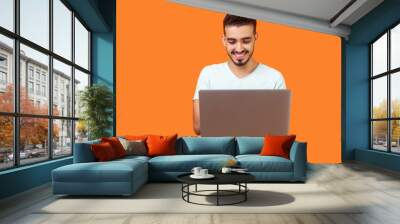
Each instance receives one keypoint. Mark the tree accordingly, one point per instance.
(6, 122)
(97, 104)
(33, 130)
(380, 127)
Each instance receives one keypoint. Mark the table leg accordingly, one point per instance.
(188, 189)
(196, 188)
(217, 194)
(245, 193)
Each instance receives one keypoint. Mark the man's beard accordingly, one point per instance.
(240, 62)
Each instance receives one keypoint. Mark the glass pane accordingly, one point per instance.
(379, 97)
(62, 29)
(395, 136)
(81, 81)
(379, 55)
(395, 94)
(62, 138)
(379, 135)
(35, 21)
(81, 131)
(395, 47)
(62, 89)
(33, 140)
(34, 97)
(7, 14)
(81, 45)
(6, 142)
(6, 74)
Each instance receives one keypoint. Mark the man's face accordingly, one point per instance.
(239, 43)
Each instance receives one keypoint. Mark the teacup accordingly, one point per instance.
(226, 170)
(203, 172)
(196, 170)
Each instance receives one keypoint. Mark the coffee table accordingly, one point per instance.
(238, 179)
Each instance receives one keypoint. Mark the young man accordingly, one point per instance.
(241, 71)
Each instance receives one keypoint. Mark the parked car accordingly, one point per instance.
(22, 155)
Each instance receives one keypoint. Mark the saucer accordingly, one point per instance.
(208, 176)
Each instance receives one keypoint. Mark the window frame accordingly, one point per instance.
(388, 74)
(16, 114)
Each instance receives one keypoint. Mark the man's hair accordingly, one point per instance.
(232, 20)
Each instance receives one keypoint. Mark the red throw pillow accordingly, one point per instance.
(277, 145)
(103, 152)
(116, 145)
(161, 145)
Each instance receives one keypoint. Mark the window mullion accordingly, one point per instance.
(50, 81)
(389, 113)
(16, 84)
(73, 82)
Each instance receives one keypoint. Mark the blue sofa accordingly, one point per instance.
(125, 176)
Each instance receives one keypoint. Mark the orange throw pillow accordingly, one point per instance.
(116, 145)
(161, 145)
(135, 137)
(103, 152)
(277, 145)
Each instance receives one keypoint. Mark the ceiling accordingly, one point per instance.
(326, 16)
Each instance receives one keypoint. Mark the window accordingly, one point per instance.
(62, 29)
(6, 142)
(38, 89)
(3, 78)
(30, 72)
(45, 131)
(3, 61)
(7, 14)
(34, 21)
(30, 87)
(62, 74)
(44, 91)
(6, 73)
(81, 81)
(37, 75)
(62, 137)
(43, 77)
(385, 95)
(81, 45)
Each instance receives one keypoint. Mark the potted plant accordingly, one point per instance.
(96, 102)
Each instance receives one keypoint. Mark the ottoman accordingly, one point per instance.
(118, 177)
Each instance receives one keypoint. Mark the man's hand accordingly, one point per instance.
(196, 117)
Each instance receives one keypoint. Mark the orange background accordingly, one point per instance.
(162, 47)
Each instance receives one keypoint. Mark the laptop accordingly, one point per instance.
(244, 112)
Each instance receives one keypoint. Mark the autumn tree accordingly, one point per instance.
(34, 130)
(380, 127)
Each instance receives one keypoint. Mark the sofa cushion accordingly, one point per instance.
(278, 145)
(111, 171)
(257, 163)
(161, 145)
(249, 145)
(116, 145)
(206, 145)
(103, 151)
(134, 147)
(132, 158)
(185, 163)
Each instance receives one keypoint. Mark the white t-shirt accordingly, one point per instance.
(220, 76)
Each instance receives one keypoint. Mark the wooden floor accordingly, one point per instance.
(377, 188)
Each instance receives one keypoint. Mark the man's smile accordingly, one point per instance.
(239, 56)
